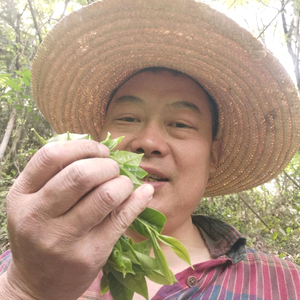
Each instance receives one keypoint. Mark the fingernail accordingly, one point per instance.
(148, 190)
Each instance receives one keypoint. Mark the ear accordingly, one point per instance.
(215, 155)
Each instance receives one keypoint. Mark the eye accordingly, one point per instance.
(180, 125)
(128, 119)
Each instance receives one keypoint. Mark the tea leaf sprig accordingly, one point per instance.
(129, 263)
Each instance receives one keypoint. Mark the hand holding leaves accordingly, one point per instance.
(129, 263)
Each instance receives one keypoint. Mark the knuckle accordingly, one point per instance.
(108, 196)
(86, 264)
(46, 156)
(25, 227)
(19, 186)
(112, 193)
(56, 242)
(122, 219)
(77, 178)
(57, 239)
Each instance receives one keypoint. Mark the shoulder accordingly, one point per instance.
(268, 276)
(5, 260)
(254, 257)
(272, 268)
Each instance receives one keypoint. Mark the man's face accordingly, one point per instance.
(167, 118)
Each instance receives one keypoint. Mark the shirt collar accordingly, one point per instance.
(221, 238)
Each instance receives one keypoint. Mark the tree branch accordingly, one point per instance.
(34, 21)
(288, 33)
(292, 179)
(266, 27)
(63, 13)
(256, 214)
(9, 128)
(17, 135)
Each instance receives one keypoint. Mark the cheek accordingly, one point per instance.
(196, 159)
(195, 173)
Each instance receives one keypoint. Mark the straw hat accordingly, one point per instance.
(92, 51)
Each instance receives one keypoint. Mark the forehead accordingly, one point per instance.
(162, 88)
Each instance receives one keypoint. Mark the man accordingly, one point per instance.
(146, 71)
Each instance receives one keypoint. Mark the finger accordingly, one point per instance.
(116, 223)
(52, 158)
(67, 187)
(95, 206)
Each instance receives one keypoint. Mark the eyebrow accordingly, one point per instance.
(186, 104)
(176, 105)
(128, 98)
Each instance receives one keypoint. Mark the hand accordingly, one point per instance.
(65, 213)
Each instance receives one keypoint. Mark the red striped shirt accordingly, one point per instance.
(235, 273)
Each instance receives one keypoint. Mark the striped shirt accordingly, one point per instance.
(234, 273)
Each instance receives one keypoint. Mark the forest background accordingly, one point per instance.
(269, 215)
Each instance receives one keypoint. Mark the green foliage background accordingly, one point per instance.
(268, 215)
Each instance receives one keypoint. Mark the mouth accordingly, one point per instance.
(154, 178)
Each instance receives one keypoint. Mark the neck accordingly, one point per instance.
(188, 234)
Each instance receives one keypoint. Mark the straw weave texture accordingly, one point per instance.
(92, 51)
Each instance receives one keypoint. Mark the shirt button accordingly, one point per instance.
(191, 281)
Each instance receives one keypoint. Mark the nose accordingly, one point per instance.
(150, 140)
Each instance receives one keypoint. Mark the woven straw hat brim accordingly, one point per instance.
(92, 51)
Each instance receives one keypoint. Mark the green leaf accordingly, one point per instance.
(149, 217)
(275, 235)
(120, 261)
(161, 260)
(149, 266)
(132, 258)
(18, 107)
(12, 83)
(104, 287)
(128, 162)
(116, 254)
(41, 140)
(4, 76)
(128, 250)
(68, 137)
(26, 77)
(136, 182)
(124, 268)
(118, 290)
(143, 247)
(111, 143)
(176, 246)
(135, 283)
(128, 158)
(138, 172)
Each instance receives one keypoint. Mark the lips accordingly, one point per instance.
(154, 175)
(153, 178)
